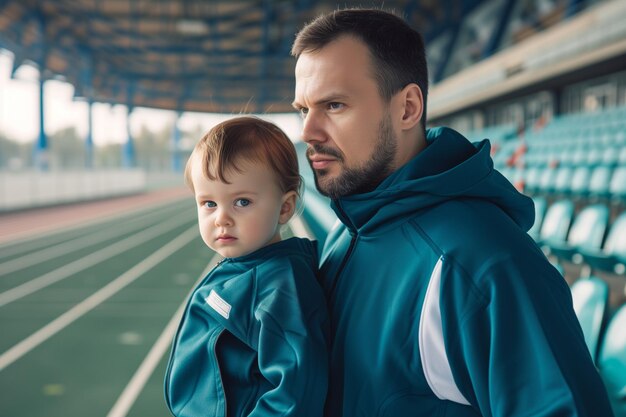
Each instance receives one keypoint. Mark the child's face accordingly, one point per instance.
(238, 218)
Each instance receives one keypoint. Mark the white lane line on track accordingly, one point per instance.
(9, 247)
(72, 245)
(92, 259)
(106, 292)
(134, 387)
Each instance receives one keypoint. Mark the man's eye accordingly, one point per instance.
(303, 112)
(242, 202)
(335, 106)
(209, 204)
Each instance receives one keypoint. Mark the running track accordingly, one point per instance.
(90, 296)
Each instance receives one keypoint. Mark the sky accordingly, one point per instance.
(19, 111)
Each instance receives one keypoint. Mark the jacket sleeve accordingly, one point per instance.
(292, 352)
(520, 350)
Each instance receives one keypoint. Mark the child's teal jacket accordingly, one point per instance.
(253, 338)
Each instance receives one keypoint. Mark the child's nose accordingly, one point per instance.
(223, 218)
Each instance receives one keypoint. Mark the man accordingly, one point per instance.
(440, 302)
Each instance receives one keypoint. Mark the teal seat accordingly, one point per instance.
(556, 223)
(579, 185)
(612, 361)
(610, 156)
(540, 210)
(579, 157)
(617, 188)
(599, 182)
(612, 256)
(591, 300)
(546, 181)
(594, 157)
(587, 232)
(563, 180)
(531, 179)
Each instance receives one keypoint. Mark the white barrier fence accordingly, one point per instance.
(19, 190)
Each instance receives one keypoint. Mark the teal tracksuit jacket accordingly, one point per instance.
(442, 305)
(253, 340)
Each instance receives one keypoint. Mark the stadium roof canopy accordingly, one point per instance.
(184, 55)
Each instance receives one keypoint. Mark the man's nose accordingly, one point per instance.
(312, 129)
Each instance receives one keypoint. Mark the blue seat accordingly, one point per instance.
(546, 181)
(591, 300)
(540, 210)
(556, 223)
(594, 156)
(610, 156)
(612, 256)
(531, 179)
(612, 361)
(586, 232)
(599, 182)
(563, 180)
(579, 185)
(617, 188)
(621, 159)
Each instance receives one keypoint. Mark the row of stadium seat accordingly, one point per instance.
(590, 238)
(586, 237)
(601, 182)
(604, 335)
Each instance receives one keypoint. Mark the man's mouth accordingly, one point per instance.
(320, 161)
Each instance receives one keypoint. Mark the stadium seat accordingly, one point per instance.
(599, 182)
(621, 159)
(579, 157)
(547, 180)
(556, 223)
(617, 188)
(563, 180)
(612, 256)
(610, 156)
(594, 157)
(540, 210)
(531, 179)
(587, 232)
(591, 299)
(579, 186)
(612, 361)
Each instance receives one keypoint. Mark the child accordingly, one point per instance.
(253, 338)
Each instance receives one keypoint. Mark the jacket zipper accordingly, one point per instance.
(354, 235)
(219, 371)
(180, 324)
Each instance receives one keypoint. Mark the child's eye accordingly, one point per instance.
(209, 204)
(242, 202)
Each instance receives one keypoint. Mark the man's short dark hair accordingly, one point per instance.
(397, 50)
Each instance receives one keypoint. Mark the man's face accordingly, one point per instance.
(347, 124)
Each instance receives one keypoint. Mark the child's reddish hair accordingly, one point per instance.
(249, 139)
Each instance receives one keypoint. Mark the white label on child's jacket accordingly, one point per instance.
(218, 304)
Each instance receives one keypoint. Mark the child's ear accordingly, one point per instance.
(288, 206)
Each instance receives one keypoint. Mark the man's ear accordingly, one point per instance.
(411, 102)
(287, 207)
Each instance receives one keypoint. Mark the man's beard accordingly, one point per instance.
(364, 178)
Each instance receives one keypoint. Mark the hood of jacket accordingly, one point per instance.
(450, 167)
